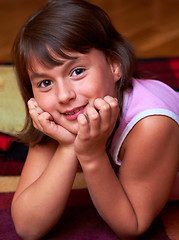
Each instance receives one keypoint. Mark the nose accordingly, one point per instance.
(65, 92)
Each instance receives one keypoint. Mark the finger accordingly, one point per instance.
(35, 111)
(37, 125)
(45, 117)
(94, 120)
(46, 122)
(32, 105)
(104, 111)
(113, 102)
(83, 126)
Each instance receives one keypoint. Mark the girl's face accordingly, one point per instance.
(67, 90)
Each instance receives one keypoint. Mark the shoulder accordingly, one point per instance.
(150, 102)
(155, 127)
(153, 93)
(151, 125)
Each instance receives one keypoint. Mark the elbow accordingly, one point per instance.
(30, 228)
(129, 235)
(19, 224)
(24, 229)
(25, 232)
(132, 230)
(29, 231)
(126, 235)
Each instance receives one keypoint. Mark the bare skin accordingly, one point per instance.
(128, 204)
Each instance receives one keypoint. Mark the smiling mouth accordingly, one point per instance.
(75, 111)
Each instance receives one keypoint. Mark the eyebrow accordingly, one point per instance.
(68, 63)
(37, 75)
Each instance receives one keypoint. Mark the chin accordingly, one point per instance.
(72, 129)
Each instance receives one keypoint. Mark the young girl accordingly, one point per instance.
(84, 103)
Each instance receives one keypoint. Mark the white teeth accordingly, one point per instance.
(73, 112)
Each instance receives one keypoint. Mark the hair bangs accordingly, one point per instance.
(46, 55)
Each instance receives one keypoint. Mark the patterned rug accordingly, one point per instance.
(80, 221)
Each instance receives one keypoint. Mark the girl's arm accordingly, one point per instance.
(46, 179)
(43, 190)
(149, 165)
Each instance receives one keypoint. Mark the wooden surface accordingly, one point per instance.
(152, 26)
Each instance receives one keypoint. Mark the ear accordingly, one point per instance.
(116, 68)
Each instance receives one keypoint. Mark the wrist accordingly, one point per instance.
(67, 148)
(93, 159)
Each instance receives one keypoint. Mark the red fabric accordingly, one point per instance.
(5, 200)
(5, 141)
(163, 69)
(174, 65)
(10, 167)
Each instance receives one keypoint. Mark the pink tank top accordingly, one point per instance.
(147, 98)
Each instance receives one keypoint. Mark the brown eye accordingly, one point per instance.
(78, 71)
(45, 83)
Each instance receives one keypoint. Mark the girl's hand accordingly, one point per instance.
(95, 127)
(44, 122)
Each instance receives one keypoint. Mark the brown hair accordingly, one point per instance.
(67, 25)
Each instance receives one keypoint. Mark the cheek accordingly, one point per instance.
(102, 88)
(104, 83)
(91, 87)
(46, 103)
